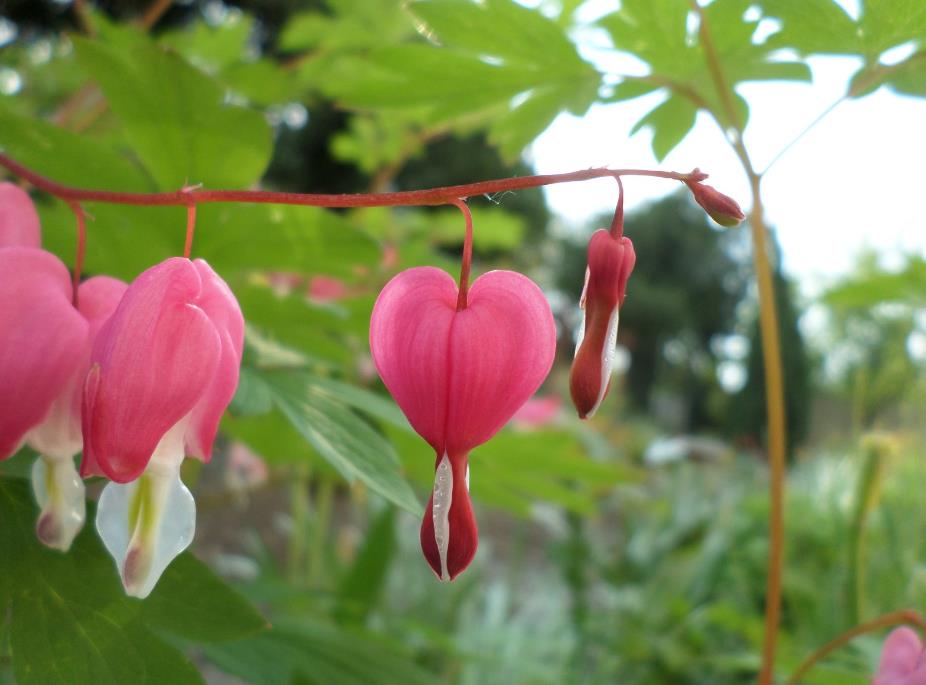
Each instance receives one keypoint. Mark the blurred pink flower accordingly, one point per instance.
(538, 411)
(903, 661)
(324, 289)
(459, 375)
(246, 468)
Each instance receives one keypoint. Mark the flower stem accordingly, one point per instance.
(409, 198)
(81, 247)
(617, 224)
(190, 229)
(892, 619)
(467, 260)
(771, 347)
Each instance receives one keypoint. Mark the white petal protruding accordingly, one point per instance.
(580, 334)
(61, 495)
(145, 524)
(607, 359)
(440, 512)
(58, 435)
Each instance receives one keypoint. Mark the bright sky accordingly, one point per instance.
(857, 180)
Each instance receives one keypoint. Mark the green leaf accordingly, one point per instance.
(67, 157)
(343, 438)
(812, 26)
(492, 63)
(630, 88)
(175, 117)
(361, 587)
(71, 623)
(328, 654)
(670, 122)
(191, 602)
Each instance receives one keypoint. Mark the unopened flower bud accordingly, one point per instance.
(721, 208)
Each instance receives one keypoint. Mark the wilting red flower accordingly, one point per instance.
(162, 371)
(610, 262)
(721, 208)
(903, 660)
(459, 376)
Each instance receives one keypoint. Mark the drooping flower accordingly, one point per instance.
(459, 375)
(57, 438)
(903, 659)
(42, 333)
(162, 371)
(610, 262)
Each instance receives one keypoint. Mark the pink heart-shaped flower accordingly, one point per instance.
(459, 376)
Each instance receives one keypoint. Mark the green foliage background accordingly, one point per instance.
(592, 569)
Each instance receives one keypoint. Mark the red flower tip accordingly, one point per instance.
(449, 536)
(610, 262)
(722, 208)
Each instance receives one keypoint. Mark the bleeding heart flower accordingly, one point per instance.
(56, 483)
(162, 370)
(43, 334)
(459, 375)
(903, 660)
(610, 261)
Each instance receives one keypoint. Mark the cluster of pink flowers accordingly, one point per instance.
(135, 376)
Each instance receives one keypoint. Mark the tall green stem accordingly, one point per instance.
(771, 349)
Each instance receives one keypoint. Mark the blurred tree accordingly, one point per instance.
(873, 316)
(748, 410)
(683, 293)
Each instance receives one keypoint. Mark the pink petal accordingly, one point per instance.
(899, 658)
(19, 222)
(59, 434)
(501, 350)
(42, 343)
(220, 305)
(409, 334)
(148, 368)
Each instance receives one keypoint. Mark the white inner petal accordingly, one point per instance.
(440, 511)
(607, 359)
(580, 334)
(60, 493)
(145, 524)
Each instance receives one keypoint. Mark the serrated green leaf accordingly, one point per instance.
(343, 438)
(670, 122)
(175, 117)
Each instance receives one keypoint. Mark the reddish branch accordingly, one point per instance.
(430, 196)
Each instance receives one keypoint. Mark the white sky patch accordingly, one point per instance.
(851, 183)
